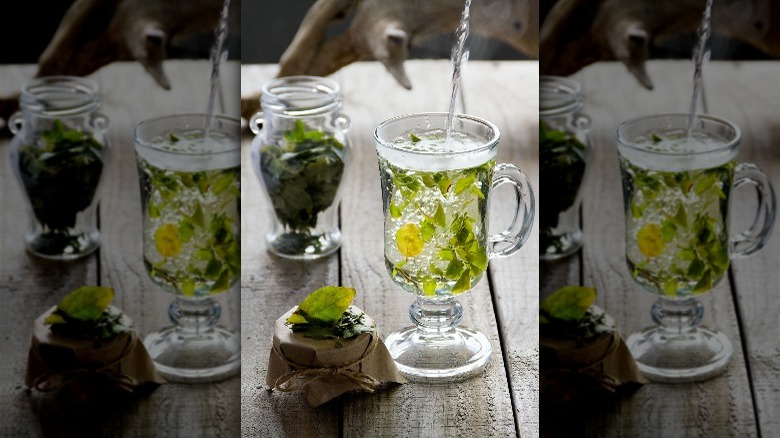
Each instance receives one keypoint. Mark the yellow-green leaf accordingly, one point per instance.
(395, 211)
(650, 240)
(439, 218)
(86, 303)
(409, 240)
(463, 184)
(463, 284)
(429, 286)
(323, 306)
(168, 240)
(569, 303)
(54, 318)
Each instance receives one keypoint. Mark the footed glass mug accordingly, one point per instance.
(59, 155)
(436, 197)
(678, 245)
(191, 201)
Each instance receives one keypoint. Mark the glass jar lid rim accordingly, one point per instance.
(559, 95)
(59, 95)
(301, 95)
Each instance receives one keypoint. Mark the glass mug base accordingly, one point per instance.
(668, 357)
(62, 246)
(192, 357)
(559, 246)
(302, 246)
(439, 357)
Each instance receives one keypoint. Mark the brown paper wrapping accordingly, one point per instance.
(55, 361)
(323, 370)
(578, 369)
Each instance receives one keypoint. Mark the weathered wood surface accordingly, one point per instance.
(748, 94)
(723, 406)
(29, 286)
(482, 406)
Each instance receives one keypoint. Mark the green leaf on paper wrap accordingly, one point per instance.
(324, 306)
(325, 314)
(84, 304)
(569, 303)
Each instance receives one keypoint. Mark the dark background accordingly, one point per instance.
(268, 28)
(680, 47)
(29, 25)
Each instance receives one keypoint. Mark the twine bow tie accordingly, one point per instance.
(52, 380)
(302, 375)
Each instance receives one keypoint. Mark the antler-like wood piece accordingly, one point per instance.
(385, 30)
(94, 33)
(577, 33)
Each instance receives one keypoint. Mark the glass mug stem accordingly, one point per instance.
(514, 237)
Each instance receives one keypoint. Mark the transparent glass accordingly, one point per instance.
(564, 158)
(678, 244)
(191, 201)
(301, 154)
(59, 153)
(436, 199)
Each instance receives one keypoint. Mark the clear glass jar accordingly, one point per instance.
(564, 153)
(59, 154)
(300, 154)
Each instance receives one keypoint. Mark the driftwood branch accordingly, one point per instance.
(577, 33)
(385, 31)
(95, 33)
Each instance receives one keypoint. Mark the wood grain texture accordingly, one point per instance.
(508, 95)
(748, 94)
(29, 287)
(719, 407)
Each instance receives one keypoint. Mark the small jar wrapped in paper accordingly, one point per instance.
(582, 355)
(327, 368)
(110, 359)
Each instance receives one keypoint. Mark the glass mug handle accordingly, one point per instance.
(754, 238)
(511, 239)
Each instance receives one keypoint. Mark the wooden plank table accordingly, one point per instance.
(29, 286)
(503, 401)
(745, 400)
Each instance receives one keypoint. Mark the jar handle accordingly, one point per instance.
(583, 122)
(754, 238)
(510, 240)
(342, 122)
(256, 122)
(15, 122)
(99, 121)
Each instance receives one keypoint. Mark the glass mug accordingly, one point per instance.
(191, 202)
(678, 244)
(436, 198)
